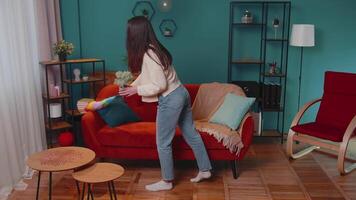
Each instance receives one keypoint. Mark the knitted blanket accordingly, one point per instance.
(209, 98)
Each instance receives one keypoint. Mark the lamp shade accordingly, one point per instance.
(302, 35)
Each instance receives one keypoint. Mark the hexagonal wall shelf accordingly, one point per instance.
(168, 27)
(143, 8)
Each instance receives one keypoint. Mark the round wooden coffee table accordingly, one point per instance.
(58, 159)
(99, 173)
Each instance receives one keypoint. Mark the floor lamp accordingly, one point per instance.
(302, 36)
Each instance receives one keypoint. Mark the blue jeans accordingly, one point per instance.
(175, 109)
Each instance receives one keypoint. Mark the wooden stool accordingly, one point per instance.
(99, 173)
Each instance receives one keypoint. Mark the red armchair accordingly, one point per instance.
(137, 140)
(335, 122)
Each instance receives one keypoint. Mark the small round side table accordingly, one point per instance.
(58, 159)
(99, 173)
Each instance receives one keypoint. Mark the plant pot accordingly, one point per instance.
(62, 57)
(167, 33)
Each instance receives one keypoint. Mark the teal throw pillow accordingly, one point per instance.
(232, 110)
(117, 113)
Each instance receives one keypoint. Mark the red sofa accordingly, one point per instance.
(137, 140)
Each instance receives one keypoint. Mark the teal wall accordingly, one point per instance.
(200, 46)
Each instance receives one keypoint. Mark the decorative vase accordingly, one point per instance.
(272, 69)
(247, 17)
(62, 57)
(167, 33)
(55, 110)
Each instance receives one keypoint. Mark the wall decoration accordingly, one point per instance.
(143, 8)
(168, 27)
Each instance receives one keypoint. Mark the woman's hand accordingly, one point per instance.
(128, 91)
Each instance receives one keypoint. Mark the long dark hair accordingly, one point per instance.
(140, 38)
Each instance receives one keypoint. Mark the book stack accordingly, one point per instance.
(271, 95)
(82, 104)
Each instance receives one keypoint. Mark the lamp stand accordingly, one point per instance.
(300, 75)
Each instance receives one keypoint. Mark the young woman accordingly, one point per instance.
(158, 81)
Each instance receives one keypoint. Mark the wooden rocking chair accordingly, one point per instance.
(335, 122)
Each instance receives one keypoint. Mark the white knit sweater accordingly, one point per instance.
(153, 80)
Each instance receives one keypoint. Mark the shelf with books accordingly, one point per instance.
(275, 40)
(58, 125)
(274, 75)
(74, 113)
(70, 61)
(89, 80)
(51, 98)
(265, 38)
(272, 109)
(248, 24)
(63, 104)
(247, 61)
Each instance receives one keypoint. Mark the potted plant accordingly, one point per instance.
(167, 32)
(145, 12)
(123, 78)
(63, 49)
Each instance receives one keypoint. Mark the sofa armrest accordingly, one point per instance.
(246, 132)
(91, 124)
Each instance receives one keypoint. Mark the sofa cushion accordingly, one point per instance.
(232, 110)
(117, 112)
(322, 131)
(145, 111)
(143, 135)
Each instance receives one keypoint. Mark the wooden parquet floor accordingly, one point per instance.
(265, 174)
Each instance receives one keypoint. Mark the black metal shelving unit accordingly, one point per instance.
(261, 26)
(69, 111)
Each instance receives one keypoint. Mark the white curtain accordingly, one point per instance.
(49, 32)
(21, 110)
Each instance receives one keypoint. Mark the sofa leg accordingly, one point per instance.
(234, 168)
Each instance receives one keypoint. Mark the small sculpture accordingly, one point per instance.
(76, 73)
(58, 90)
(275, 24)
(247, 17)
(85, 77)
(273, 66)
